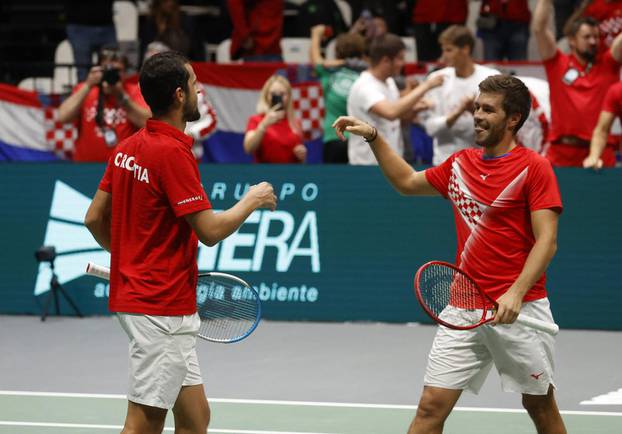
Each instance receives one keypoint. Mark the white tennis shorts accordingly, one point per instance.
(461, 359)
(162, 357)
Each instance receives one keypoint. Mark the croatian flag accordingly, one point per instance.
(233, 91)
(29, 130)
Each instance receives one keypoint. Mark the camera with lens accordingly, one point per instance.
(111, 75)
(45, 254)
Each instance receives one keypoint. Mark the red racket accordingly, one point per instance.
(453, 299)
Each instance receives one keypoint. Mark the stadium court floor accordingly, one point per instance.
(69, 376)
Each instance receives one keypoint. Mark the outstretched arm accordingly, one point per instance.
(616, 48)
(211, 227)
(398, 172)
(540, 29)
(392, 110)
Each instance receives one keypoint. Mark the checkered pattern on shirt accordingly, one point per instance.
(59, 137)
(469, 208)
(308, 104)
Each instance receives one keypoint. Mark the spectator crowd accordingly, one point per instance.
(578, 42)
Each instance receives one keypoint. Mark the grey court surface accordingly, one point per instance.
(69, 375)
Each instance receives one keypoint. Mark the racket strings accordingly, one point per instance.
(451, 295)
(227, 308)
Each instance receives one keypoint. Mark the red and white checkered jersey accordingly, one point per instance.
(492, 201)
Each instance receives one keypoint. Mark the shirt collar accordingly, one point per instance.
(155, 126)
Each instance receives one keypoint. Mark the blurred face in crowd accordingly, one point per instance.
(191, 108)
(111, 60)
(278, 88)
(454, 56)
(393, 67)
(491, 121)
(585, 42)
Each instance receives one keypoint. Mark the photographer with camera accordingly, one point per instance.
(105, 107)
(274, 135)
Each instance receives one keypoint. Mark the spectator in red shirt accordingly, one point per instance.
(149, 212)
(608, 13)
(612, 109)
(503, 26)
(431, 18)
(578, 83)
(274, 135)
(257, 30)
(106, 108)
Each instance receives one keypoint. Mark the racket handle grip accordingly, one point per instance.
(98, 271)
(544, 326)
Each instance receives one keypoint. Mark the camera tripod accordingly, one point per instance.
(55, 289)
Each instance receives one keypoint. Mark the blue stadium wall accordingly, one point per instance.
(343, 246)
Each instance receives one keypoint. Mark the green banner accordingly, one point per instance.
(342, 245)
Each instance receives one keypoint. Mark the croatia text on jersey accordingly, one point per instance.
(128, 162)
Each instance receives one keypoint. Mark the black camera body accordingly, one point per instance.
(111, 76)
(45, 253)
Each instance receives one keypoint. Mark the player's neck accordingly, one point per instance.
(501, 148)
(466, 70)
(173, 119)
(378, 73)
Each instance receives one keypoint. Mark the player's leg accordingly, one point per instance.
(191, 410)
(143, 419)
(544, 412)
(457, 361)
(434, 407)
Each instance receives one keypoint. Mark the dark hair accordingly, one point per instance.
(111, 52)
(160, 76)
(349, 45)
(516, 96)
(572, 26)
(460, 36)
(388, 45)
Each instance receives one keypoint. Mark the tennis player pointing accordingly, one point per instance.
(149, 210)
(506, 205)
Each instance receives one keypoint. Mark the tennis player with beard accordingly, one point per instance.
(149, 212)
(506, 206)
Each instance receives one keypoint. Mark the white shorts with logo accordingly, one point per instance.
(461, 359)
(162, 357)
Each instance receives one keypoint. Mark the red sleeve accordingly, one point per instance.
(542, 187)
(106, 183)
(613, 99)
(181, 182)
(552, 65)
(253, 122)
(439, 176)
(237, 12)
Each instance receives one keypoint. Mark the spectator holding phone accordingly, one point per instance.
(106, 108)
(337, 77)
(274, 135)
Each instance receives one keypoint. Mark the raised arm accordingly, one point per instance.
(70, 108)
(616, 48)
(212, 227)
(541, 31)
(399, 173)
(396, 109)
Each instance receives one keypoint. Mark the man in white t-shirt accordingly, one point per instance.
(450, 119)
(375, 99)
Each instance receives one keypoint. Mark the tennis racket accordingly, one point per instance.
(453, 299)
(229, 307)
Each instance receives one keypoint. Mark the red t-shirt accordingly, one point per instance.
(440, 11)
(514, 10)
(492, 201)
(613, 100)
(278, 142)
(154, 181)
(576, 95)
(90, 145)
(609, 15)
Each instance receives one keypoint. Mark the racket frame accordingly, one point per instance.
(257, 317)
